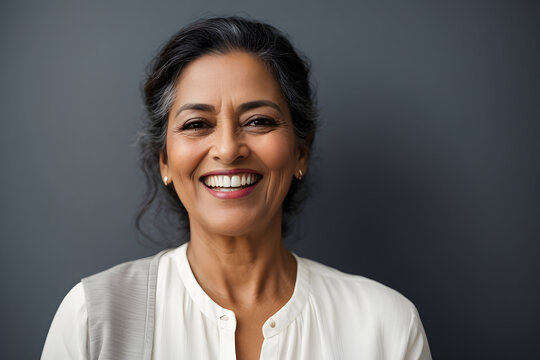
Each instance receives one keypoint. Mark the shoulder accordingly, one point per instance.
(120, 306)
(129, 269)
(67, 335)
(73, 305)
(360, 308)
(125, 275)
(358, 292)
(95, 312)
(127, 283)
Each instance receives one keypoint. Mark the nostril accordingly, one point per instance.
(230, 152)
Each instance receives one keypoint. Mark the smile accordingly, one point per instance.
(231, 184)
(228, 183)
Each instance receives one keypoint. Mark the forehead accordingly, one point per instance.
(234, 76)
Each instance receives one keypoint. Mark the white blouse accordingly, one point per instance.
(331, 315)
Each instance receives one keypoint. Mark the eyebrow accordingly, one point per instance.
(259, 103)
(193, 106)
(244, 107)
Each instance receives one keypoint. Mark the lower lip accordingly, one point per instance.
(235, 194)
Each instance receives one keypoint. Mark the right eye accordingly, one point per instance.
(195, 125)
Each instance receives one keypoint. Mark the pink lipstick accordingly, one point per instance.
(231, 183)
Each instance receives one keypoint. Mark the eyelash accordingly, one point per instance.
(267, 121)
(195, 124)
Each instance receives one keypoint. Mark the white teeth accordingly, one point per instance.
(230, 182)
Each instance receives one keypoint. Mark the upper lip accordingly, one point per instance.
(230, 172)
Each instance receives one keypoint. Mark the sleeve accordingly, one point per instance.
(68, 334)
(417, 347)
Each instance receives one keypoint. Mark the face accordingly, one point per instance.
(231, 151)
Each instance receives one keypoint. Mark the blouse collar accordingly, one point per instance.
(225, 318)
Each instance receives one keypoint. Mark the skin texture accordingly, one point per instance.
(235, 250)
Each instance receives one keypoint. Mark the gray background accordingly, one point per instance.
(426, 168)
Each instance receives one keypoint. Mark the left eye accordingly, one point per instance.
(261, 121)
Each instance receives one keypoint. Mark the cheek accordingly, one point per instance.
(183, 159)
(278, 153)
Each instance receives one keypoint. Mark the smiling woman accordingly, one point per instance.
(289, 71)
(231, 121)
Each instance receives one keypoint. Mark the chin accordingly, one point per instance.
(227, 223)
(235, 221)
(234, 228)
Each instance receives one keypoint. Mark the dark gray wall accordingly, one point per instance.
(426, 167)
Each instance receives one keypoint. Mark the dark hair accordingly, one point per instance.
(218, 36)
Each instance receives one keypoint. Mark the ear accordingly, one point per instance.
(303, 154)
(163, 164)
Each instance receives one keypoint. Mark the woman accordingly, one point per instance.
(231, 121)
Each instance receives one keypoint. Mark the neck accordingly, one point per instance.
(243, 271)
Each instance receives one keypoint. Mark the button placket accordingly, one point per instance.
(227, 326)
(270, 349)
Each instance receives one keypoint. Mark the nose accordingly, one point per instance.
(228, 146)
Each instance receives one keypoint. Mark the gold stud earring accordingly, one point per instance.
(300, 174)
(166, 180)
